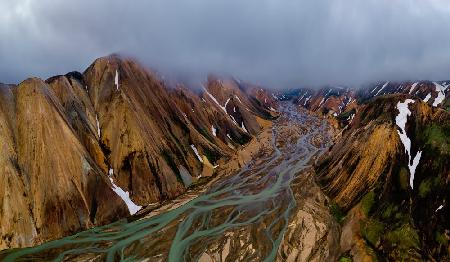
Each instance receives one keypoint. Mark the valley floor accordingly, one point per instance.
(262, 206)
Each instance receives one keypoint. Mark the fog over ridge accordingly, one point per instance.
(269, 42)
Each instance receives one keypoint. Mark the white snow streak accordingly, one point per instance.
(196, 152)
(215, 100)
(132, 207)
(385, 84)
(243, 127)
(238, 99)
(321, 102)
(98, 126)
(412, 87)
(401, 120)
(440, 89)
(306, 100)
(427, 98)
(116, 80)
(213, 130)
(226, 103)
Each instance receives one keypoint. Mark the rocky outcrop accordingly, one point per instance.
(79, 150)
(395, 209)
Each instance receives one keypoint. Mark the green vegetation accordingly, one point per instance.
(367, 202)
(403, 238)
(403, 177)
(389, 211)
(371, 230)
(346, 115)
(345, 259)
(337, 212)
(435, 136)
(441, 238)
(205, 134)
(212, 156)
(427, 185)
(166, 155)
(241, 139)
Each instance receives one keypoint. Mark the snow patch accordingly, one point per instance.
(132, 207)
(350, 118)
(385, 84)
(215, 100)
(226, 103)
(234, 120)
(238, 99)
(412, 87)
(213, 130)
(196, 153)
(401, 120)
(98, 126)
(243, 127)
(321, 102)
(427, 98)
(440, 89)
(306, 100)
(116, 80)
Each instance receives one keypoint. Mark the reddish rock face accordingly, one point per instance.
(64, 140)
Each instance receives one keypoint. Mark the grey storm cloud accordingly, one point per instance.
(279, 43)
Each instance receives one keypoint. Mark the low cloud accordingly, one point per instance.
(270, 42)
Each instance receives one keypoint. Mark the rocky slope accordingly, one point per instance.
(85, 149)
(388, 176)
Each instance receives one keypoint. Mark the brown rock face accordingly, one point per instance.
(56, 185)
(67, 144)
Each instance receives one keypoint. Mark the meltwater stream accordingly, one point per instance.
(252, 207)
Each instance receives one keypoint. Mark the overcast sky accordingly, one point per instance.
(278, 43)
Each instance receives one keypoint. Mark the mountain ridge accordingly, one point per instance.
(103, 140)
